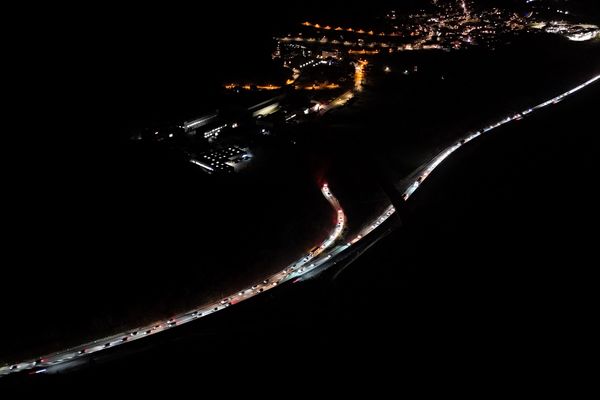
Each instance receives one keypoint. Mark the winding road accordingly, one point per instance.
(42, 364)
(321, 257)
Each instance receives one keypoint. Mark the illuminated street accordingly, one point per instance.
(253, 189)
(322, 256)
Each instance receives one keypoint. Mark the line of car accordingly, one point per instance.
(293, 271)
(221, 304)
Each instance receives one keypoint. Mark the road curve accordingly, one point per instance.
(41, 364)
(414, 180)
(321, 256)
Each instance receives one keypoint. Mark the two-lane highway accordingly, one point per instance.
(409, 185)
(42, 364)
(321, 257)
